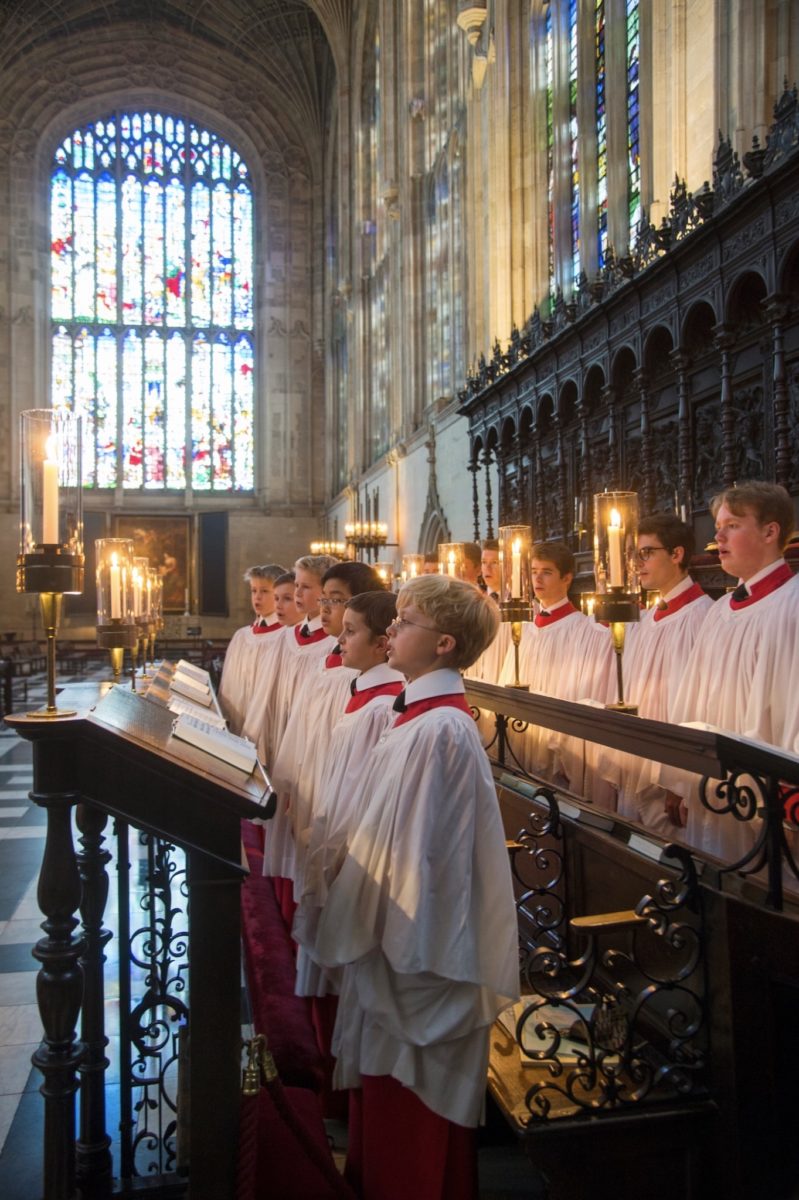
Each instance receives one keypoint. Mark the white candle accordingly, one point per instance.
(451, 564)
(516, 569)
(136, 592)
(615, 559)
(413, 570)
(50, 495)
(116, 588)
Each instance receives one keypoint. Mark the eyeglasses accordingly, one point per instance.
(646, 552)
(327, 602)
(400, 623)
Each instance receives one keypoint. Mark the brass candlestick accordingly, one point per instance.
(50, 571)
(516, 611)
(616, 609)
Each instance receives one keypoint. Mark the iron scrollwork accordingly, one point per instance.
(150, 1030)
(772, 807)
(621, 1026)
(537, 865)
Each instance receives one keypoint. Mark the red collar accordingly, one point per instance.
(333, 659)
(672, 606)
(417, 707)
(309, 639)
(764, 587)
(361, 699)
(565, 610)
(257, 627)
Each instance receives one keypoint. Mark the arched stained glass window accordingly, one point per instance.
(151, 225)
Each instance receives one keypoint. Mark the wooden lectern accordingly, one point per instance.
(118, 758)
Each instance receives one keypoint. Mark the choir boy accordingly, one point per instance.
(366, 717)
(317, 701)
(740, 675)
(297, 649)
(489, 566)
(654, 662)
(285, 606)
(421, 915)
(248, 643)
(565, 654)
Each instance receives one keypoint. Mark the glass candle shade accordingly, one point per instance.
(51, 496)
(157, 599)
(451, 559)
(335, 549)
(114, 581)
(385, 570)
(412, 565)
(615, 539)
(515, 547)
(141, 567)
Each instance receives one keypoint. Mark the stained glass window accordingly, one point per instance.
(574, 156)
(633, 120)
(549, 56)
(601, 135)
(152, 309)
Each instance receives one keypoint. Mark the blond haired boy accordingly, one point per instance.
(421, 914)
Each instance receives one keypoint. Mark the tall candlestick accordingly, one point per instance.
(137, 582)
(115, 581)
(516, 569)
(50, 495)
(615, 560)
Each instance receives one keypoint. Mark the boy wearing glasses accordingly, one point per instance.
(654, 662)
(248, 643)
(421, 914)
(739, 674)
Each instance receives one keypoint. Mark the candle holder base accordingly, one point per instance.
(617, 606)
(515, 610)
(50, 569)
(45, 714)
(630, 709)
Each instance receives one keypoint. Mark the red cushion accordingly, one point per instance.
(281, 1016)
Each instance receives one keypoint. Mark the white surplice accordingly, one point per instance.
(242, 659)
(422, 914)
(740, 677)
(488, 669)
(569, 659)
(336, 776)
(319, 700)
(654, 662)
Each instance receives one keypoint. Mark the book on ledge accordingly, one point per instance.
(178, 705)
(192, 690)
(237, 751)
(199, 674)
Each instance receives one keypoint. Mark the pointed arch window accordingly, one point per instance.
(151, 271)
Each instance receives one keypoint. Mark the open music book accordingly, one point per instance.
(239, 752)
(178, 705)
(193, 689)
